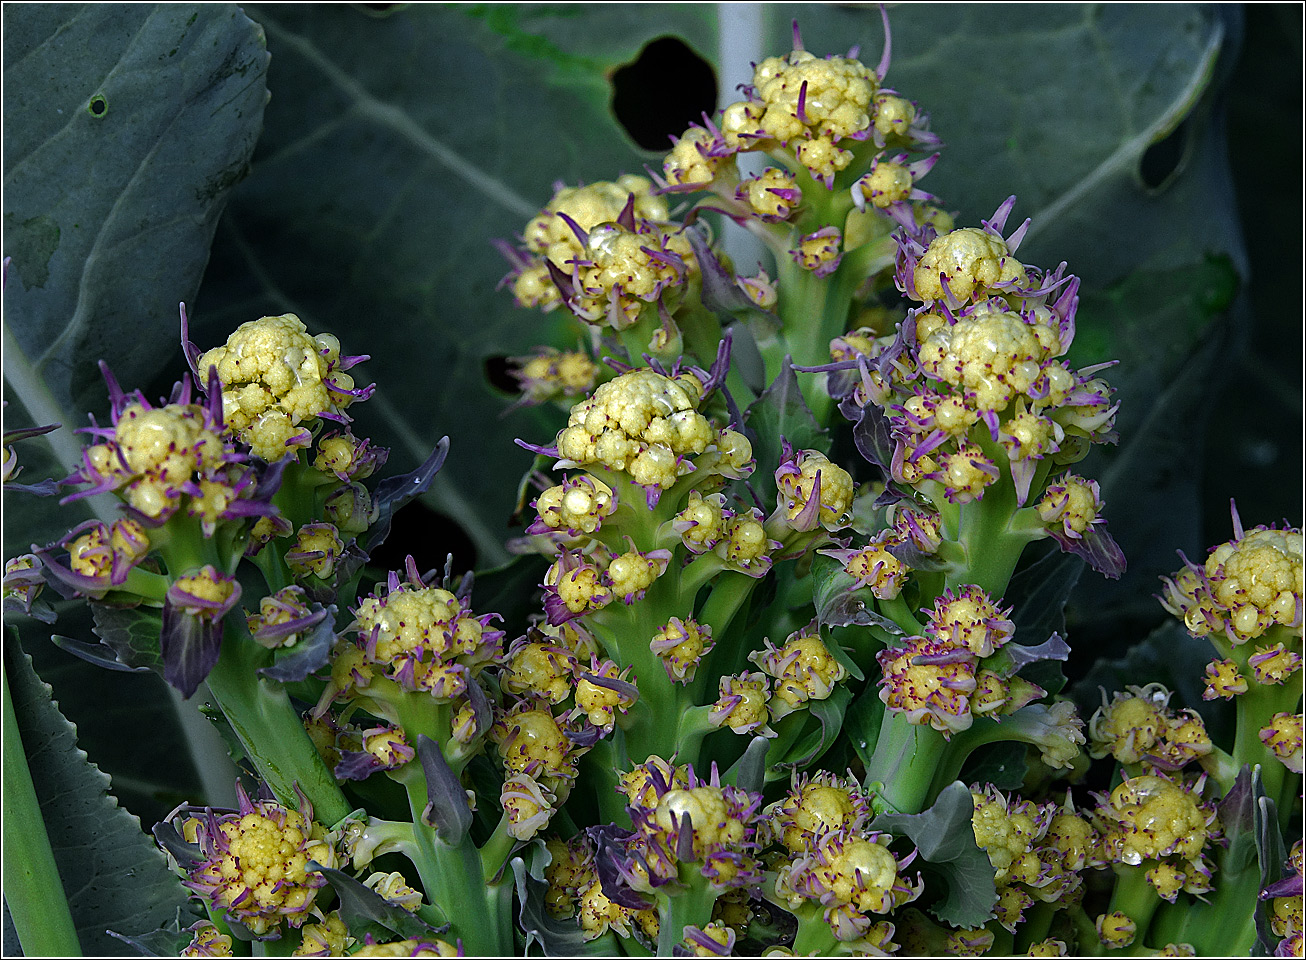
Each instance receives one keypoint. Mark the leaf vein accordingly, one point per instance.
(395, 119)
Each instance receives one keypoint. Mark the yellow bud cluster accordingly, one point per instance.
(275, 376)
(642, 423)
(1247, 586)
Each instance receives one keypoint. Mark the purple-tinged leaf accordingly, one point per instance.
(609, 847)
(393, 492)
(190, 646)
(446, 807)
(310, 653)
(1013, 657)
(168, 837)
(872, 438)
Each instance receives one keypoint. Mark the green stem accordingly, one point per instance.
(814, 937)
(33, 891)
(991, 551)
(1223, 926)
(905, 757)
(1134, 897)
(1086, 933)
(497, 849)
(602, 766)
(453, 878)
(730, 591)
(1254, 710)
(691, 905)
(900, 612)
(270, 728)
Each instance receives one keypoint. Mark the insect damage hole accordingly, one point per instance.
(667, 87)
(98, 106)
(1164, 160)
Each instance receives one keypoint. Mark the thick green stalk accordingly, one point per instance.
(692, 905)
(33, 891)
(992, 551)
(454, 881)
(1134, 897)
(814, 937)
(1255, 708)
(904, 761)
(270, 729)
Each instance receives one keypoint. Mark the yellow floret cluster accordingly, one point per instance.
(549, 235)
(642, 423)
(424, 638)
(1149, 818)
(618, 267)
(154, 452)
(854, 875)
(1247, 586)
(837, 96)
(275, 377)
(260, 874)
(994, 354)
(971, 260)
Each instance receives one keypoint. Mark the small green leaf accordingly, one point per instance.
(779, 412)
(946, 840)
(132, 633)
(1001, 764)
(365, 911)
(829, 715)
(557, 938)
(862, 723)
(1038, 595)
(840, 602)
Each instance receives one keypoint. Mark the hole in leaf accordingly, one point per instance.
(497, 373)
(98, 106)
(1163, 160)
(665, 89)
(429, 536)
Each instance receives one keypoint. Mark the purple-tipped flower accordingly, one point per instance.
(241, 850)
(820, 252)
(381, 748)
(11, 468)
(100, 557)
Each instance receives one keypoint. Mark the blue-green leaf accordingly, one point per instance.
(945, 839)
(125, 127)
(114, 875)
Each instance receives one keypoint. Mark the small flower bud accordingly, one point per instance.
(1223, 680)
(1115, 930)
(316, 550)
(680, 645)
(820, 252)
(528, 805)
(742, 704)
(1283, 736)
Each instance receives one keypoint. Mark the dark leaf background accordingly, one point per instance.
(1155, 146)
